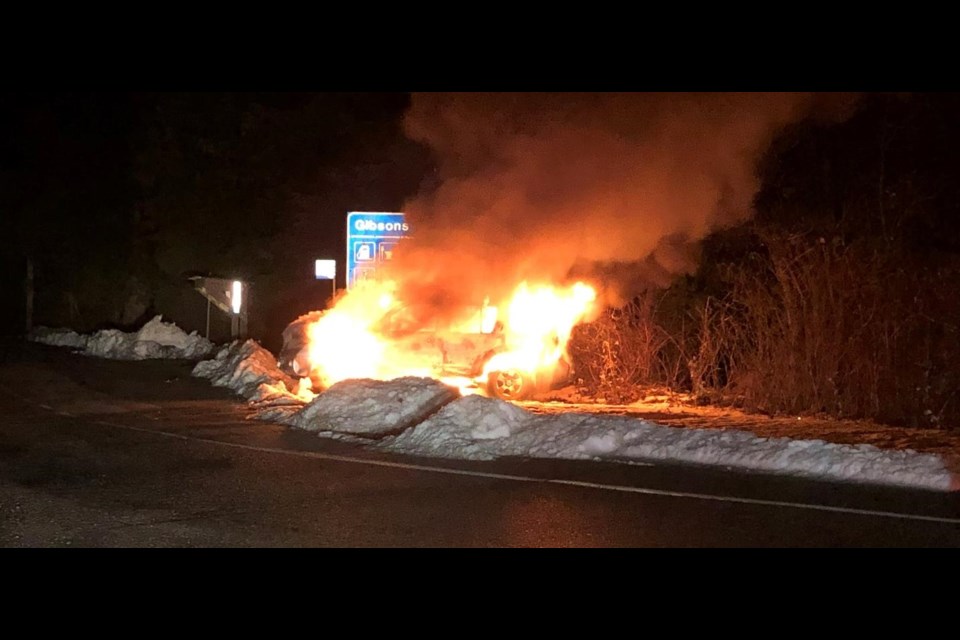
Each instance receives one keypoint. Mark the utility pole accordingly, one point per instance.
(28, 309)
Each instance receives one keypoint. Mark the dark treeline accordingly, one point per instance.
(839, 298)
(117, 199)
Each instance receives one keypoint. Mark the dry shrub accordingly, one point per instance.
(803, 325)
(821, 326)
(625, 351)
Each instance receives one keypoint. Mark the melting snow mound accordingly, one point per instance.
(484, 429)
(157, 339)
(374, 407)
(249, 370)
(167, 334)
(59, 337)
(422, 416)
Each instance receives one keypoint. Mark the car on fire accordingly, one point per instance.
(445, 352)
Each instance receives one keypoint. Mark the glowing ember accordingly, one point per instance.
(467, 386)
(368, 335)
(305, 390)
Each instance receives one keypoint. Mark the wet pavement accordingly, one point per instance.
(98, 453)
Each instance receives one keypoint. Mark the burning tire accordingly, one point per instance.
(511, 385)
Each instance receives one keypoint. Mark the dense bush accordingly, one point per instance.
(839, 299)
(625, 350)
(804, 324)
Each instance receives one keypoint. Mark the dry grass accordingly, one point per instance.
(807, 325)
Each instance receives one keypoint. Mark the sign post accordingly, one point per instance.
(327, 270)
(230, 296)
(28, 309)
(372, 238)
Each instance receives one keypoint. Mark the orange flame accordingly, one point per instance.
(304, 389)
(538, 326)
(343, 343)
(354, 340)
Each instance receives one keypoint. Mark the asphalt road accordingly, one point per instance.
(97, 453)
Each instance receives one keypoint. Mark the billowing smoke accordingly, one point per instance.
(616, 187)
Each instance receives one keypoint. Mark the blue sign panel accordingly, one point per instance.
(371, 240)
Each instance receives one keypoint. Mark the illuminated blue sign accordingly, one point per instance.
(371, 240)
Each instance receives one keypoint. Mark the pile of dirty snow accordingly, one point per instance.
(374, 407)
(484, 429)
(421, 416)
(251, 371)
(157, 339)
(59, 337)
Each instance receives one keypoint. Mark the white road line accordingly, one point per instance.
(518, 478)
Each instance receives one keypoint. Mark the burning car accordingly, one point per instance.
(457, 355)
(370, 333)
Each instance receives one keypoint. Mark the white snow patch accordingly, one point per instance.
(170, 335)
(374, 407)
(251, 371)
(59, 337)
(484, 429)
(600, 444)
(472, 427)
(157, 339)
(432, 421)
(114, 344)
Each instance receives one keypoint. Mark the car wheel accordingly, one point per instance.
(510, 385)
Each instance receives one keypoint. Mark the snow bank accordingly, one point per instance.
(374, 407)
(249, 370)
(484, 429)
(351, 407)
(167, 334)
(157, 339)
(422, 416)
(59, 338)
(111, 343)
